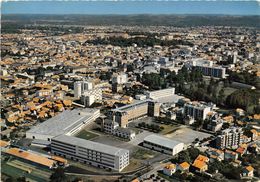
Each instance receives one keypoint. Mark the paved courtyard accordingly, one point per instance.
(187, 135)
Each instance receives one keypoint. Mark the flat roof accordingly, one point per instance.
(162, 141)
(31, 157)
(129, 106)
(63, 122)
(90, 145)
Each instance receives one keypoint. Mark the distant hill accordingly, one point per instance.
(145, 20)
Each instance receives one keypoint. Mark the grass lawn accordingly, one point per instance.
(167, 128)
(86, 135)
(143, 154)
(16, 173)
(133, 165)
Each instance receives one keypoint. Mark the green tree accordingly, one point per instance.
(58, 175)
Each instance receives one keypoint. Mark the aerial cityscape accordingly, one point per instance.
(103, 91)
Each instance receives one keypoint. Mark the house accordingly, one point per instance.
(241, 150)
(183, 166)
(215, 154)
(253, 134)
(200, 166)
(200, 163)
(169, 169)
(230, 155)
(247, 172)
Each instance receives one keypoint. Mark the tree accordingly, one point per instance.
(58, 175)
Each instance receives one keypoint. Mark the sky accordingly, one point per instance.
(132, 7)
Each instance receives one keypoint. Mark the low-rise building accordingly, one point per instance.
(169, 169)
(163, 144)
(183, 166)
(247, 172)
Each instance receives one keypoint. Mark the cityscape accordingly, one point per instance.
(129, 97)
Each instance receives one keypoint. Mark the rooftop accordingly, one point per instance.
(160, 140)
(31, 157)
(63, 122)
(91, 145)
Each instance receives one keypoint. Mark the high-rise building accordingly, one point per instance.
(229, 138)
(196, 110)
(80, 87)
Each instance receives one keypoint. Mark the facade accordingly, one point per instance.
(127, 113)
(124, 133)
(215, 125)
(213, 71)
(113, 128)
(80, 87)
(169, 169)
(230, 155)
(158, 94)
(163, 144)
(196, 110)
(69, 122)
(89, 152)
(230, 138)
(119, 78)
(87, 100)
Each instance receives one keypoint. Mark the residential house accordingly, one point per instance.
(169, 169)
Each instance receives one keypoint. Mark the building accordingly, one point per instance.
(247, 172)
(31, 157)
(213, 71)
(169, 169)
(69, 122)
(200, 163)
(230, 155)
(196, 110)
(215, 124)
(229, 138)
(123, 115)
(113, 128)
(87, 100)
(80, 87)
(89, 152)
(159, 94)
(183, 166)
(163, 144)
(119, 78)
(124, 133)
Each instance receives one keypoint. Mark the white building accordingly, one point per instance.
(69, 122)
(159, 94)
(87, 100)
(230, 138)
(124, 133)
(163, 144)
(80, 87)
(89, 152)
(119, 78)
(169, 169)
(196, 110)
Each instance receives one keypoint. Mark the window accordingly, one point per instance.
(33, 137)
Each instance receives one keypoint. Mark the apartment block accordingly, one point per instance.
(230, 138)
(89, 152)
(196, 110)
